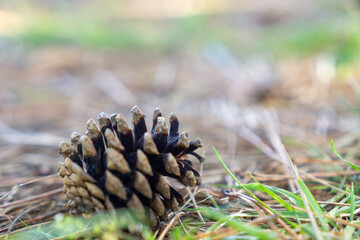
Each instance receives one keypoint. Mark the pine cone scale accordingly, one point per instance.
(114, 185)
(141, 185)
(143, 163)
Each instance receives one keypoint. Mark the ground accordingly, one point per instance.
(270, 114)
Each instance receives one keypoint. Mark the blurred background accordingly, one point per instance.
(229, 69)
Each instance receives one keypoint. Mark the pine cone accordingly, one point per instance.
(112, 167)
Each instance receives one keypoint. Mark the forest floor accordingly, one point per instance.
(253, 128)
(266, 126)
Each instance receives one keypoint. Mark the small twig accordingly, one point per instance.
(326, 183)
(170, 224)
(334, 219)
(259, 208)
(342, 221)
(192, 197)
(261, 220)
(219, 232)
(225, 233)
(20, 215)
(3, 213)
(13, 136)
(336, 203)
(46, 194)
(26, 183)
(282, 223)
(184, 228)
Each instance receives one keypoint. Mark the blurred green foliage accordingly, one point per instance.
(124, 224)
(338, 36)
(331, 28)
(124, 34)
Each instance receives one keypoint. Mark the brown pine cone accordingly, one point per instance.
(113, 167)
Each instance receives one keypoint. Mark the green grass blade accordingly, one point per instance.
(273, 195)
(337, 209)
(25, 224)
(238, 182)
(353, 165)
(247, 190)
(238, 225)
(313, 204)
(215, 204)
(292, 197)
(352, 202)
(349, 233)
(309, 230)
